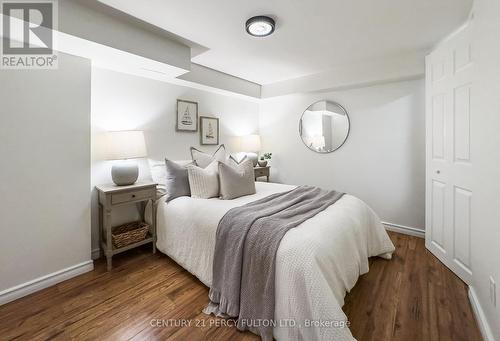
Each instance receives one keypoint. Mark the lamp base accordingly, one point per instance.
(125, 173)
(254, 157)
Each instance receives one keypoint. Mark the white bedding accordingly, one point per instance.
(316, 264)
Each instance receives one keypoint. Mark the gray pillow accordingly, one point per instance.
(236, 181)
(177, 180)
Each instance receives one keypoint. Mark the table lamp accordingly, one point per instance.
(251, 145)
(125, 145)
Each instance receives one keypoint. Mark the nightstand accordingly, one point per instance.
(262, 171)
(112, 196)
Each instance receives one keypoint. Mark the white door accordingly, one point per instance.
(448, 159)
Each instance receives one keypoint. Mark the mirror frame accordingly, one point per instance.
(348, 121)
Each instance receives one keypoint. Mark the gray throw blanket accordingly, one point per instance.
(244, 264)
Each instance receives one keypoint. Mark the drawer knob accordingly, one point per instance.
(133, 195)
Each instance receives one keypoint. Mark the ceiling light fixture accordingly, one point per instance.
(260, 26)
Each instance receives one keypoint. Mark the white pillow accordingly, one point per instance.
(158, 171)
(203, 159)
(233, 161)
(204, 182)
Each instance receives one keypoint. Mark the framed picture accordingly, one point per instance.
(209, 130)
(187, 116)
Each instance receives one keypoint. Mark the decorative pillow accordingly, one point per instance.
(236, 181)
(204, 182)
(158, 171)
(233, 162)
(177, 183)
(203, 159)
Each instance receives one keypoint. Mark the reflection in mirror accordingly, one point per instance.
(324, 126)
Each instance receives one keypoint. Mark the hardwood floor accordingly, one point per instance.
(411, 297)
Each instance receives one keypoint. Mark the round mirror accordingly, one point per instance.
(324, 126)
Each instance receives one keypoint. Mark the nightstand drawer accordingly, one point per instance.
(261, 172)
(131, 196)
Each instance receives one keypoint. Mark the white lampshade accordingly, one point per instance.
(250, 143)
(121, 145)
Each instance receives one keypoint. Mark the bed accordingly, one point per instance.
(316, 263)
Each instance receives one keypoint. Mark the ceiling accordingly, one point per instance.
(311, 36)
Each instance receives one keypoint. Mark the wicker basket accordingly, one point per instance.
(129, 233)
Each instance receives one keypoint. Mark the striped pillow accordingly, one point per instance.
(204, 182)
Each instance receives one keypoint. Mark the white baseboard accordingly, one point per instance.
(43, 282)
(96, 253)
(412, 231)
(480, 317)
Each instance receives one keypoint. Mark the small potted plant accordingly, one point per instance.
(264, 158)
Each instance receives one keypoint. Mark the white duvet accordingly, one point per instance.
(317, 262)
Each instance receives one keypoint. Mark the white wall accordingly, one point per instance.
(45, 170)
(383, 159)
(485, 153)
(94, 21)
(200, 74)
(355, 75)
(126, 102)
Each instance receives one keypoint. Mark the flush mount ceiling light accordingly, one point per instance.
(260, 26)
